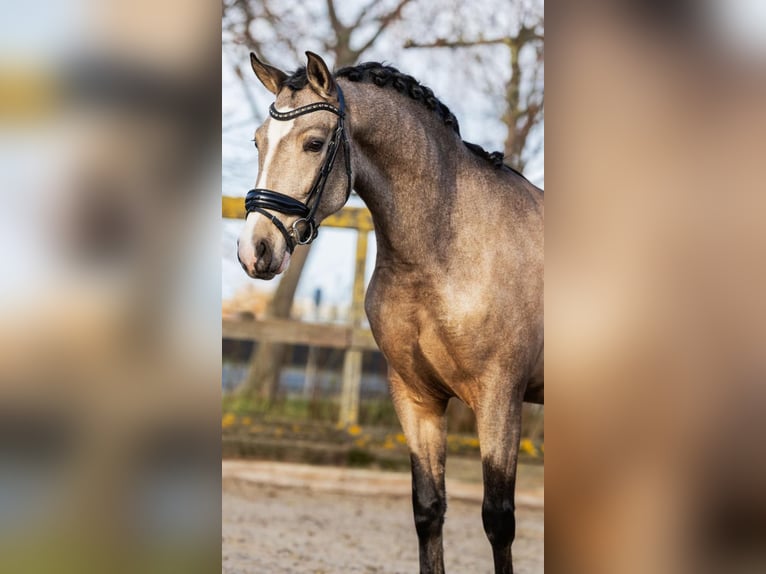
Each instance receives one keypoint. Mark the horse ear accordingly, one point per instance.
(269, 76)
(319, 76)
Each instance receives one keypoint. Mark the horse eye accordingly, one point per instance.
(313, 145)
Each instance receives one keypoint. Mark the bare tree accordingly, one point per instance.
(524, 90)
(313, 23)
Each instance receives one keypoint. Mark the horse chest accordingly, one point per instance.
(420, 339)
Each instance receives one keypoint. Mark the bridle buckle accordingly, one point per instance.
(306, 238)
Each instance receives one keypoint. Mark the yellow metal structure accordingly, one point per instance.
(358, 218)
(354, 339)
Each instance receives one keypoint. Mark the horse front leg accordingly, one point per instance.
(425, 428)
(499, 426)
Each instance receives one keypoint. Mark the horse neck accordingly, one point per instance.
(405, 164)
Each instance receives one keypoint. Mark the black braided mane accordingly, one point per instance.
(382, 76)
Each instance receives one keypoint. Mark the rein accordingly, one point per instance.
(305, 229)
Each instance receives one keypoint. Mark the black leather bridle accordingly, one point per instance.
(303, 230)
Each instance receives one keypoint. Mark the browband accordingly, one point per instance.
(307, 109)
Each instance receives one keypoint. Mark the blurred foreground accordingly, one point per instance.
(655, 282)
(109, 298)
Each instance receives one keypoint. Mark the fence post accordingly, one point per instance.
(352, 362)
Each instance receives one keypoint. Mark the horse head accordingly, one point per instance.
(299, 180)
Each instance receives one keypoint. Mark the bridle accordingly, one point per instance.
(259, 200)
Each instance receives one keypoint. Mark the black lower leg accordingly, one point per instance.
(429, 505)
(498, 515)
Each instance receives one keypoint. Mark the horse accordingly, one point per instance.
(455, 302)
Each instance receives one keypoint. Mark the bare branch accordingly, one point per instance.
(385, 21)
(364, 13)
(335, 22)
(445, 43)
(251, 101)
(520, 117)
(525, 36)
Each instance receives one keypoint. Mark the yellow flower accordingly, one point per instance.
(400, 439)
(247, 421)
(389, 444)
(228, 420)
(361, 442)
(354, 430)
(527, 447)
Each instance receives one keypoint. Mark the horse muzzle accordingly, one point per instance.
(259, 259)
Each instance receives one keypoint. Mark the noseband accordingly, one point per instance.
(303, 230)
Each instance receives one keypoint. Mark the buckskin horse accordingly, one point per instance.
(456, 298)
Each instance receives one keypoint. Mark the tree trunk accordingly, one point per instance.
(513, 143)
(267, 359)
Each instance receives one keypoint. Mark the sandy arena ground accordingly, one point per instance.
(289, 518)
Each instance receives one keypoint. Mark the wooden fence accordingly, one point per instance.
(352, 337)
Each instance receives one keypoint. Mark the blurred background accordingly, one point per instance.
(109, 293)
(654, 287)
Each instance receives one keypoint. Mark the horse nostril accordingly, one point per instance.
(260, 249)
